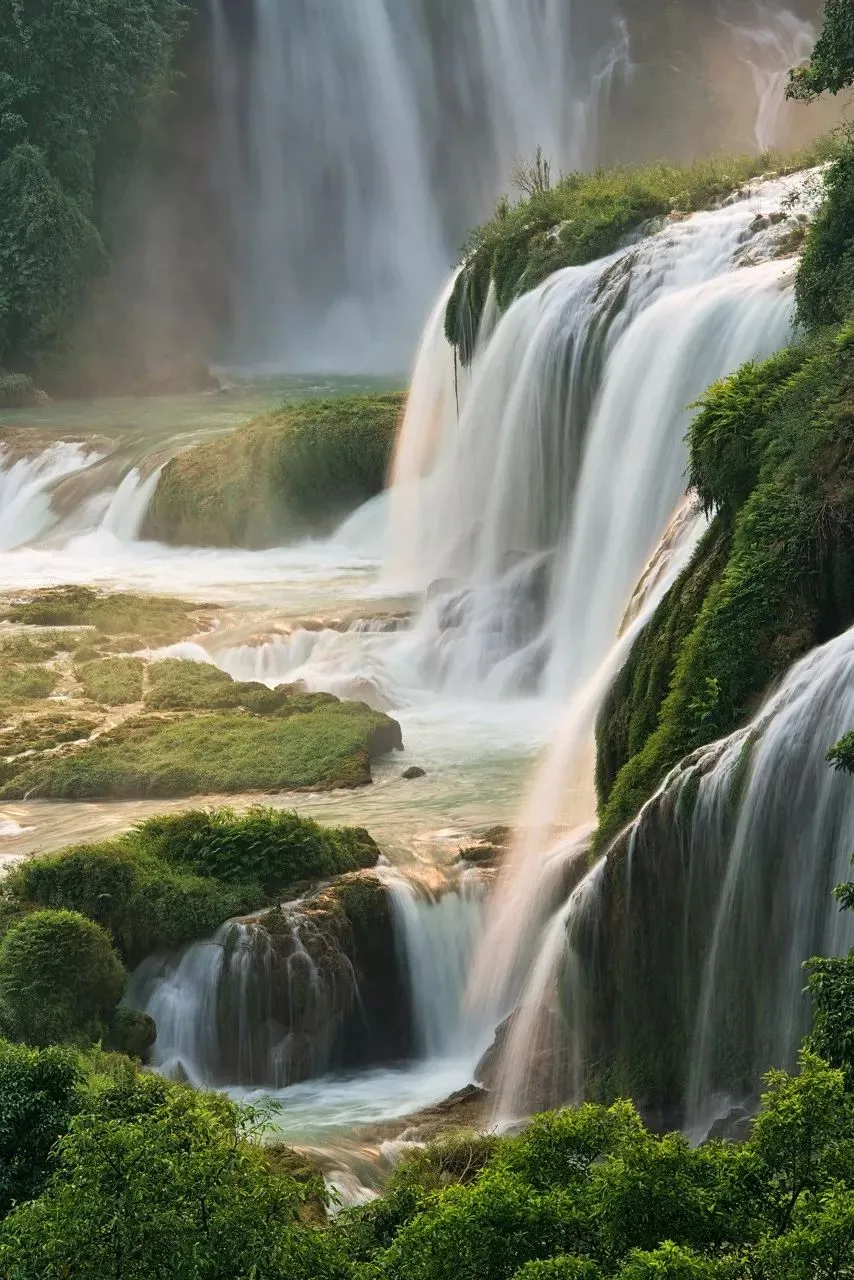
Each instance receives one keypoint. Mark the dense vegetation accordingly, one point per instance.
(76, 86)
(294, 471)
(176, 878)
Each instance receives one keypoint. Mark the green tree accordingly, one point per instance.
(39, 1093)
(831, 67)
(60, 978)
(164, 1185)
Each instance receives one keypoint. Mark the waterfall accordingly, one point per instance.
(773, 42)
(436, 934)
(579, 397)
(249, 1007)
(339, 126)
(25, 485)
(129, 505)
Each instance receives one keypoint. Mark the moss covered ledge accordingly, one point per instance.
(296, 471)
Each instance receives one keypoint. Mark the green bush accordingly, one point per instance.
(218, 753)
(825, 283)
(271, 847)
(113, 682)
(39, 1093)
(60, 979)
(295, 471)
(145, 904)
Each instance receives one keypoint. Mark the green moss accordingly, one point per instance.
(294, 471)
(41, 646)
(587, 216)
(329, 746)
(60, 979)
(157, 620)
(788, 578)
(113, 682)
(41, 732)
(178, 685)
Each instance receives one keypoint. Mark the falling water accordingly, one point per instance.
(339, 126)
(25, 485)
(774, 41)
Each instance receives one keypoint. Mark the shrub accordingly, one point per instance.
(273, 847)
(297, 470)
(113, 682)
(825, 283)
(60, 979)
(39, 1093)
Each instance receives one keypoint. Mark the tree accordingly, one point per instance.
(831, 67)
(39, 1093)
(60, 978)
(164, 1184)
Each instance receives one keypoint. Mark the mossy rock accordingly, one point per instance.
(151, 619)
(296, 471)
(131, 1033)
(216, 753)
(179, 685)
(35, 647)
(22, 683)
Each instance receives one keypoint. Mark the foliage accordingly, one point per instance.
(17, 391)
(787, 582)
(167, 1186)
(157, 620)
(60, 979)
(825, 285)
(178, 877)
(831, 67)
(273, 847)
(328, 746)
(38, 1097)
(113, 682)
(299, 469)
(76, 81)
(587, 216)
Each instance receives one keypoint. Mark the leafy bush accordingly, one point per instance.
(60, 979)
(39, 1093)
(113, 682)
(273, 847)
(145, 904)
(825, 283)
(299, 469)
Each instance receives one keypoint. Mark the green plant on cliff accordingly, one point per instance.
(831, 66)
(75, 83)
(294, 471)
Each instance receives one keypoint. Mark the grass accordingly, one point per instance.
(296, 471)
(112, 682)
(156, 620)
(18, 646)
(220, 752)
(179, 685)
(587, 216)
(23, 683)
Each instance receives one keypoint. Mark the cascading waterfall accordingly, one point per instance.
(25, 485)
(579, 396)
(770, 44)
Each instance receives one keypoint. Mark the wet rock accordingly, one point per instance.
(489, 849)
(736, 1126)
(411, 774)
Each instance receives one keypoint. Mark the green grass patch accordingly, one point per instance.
(112, 682)
(224, 752)
(155, 620)
(585, 216)
(298, 470)
(22, 646)
(179, 685)
(22, 683)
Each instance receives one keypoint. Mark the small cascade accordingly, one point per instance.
(260, 1004)
(25, 489)
(128, 507)
(436, 934)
